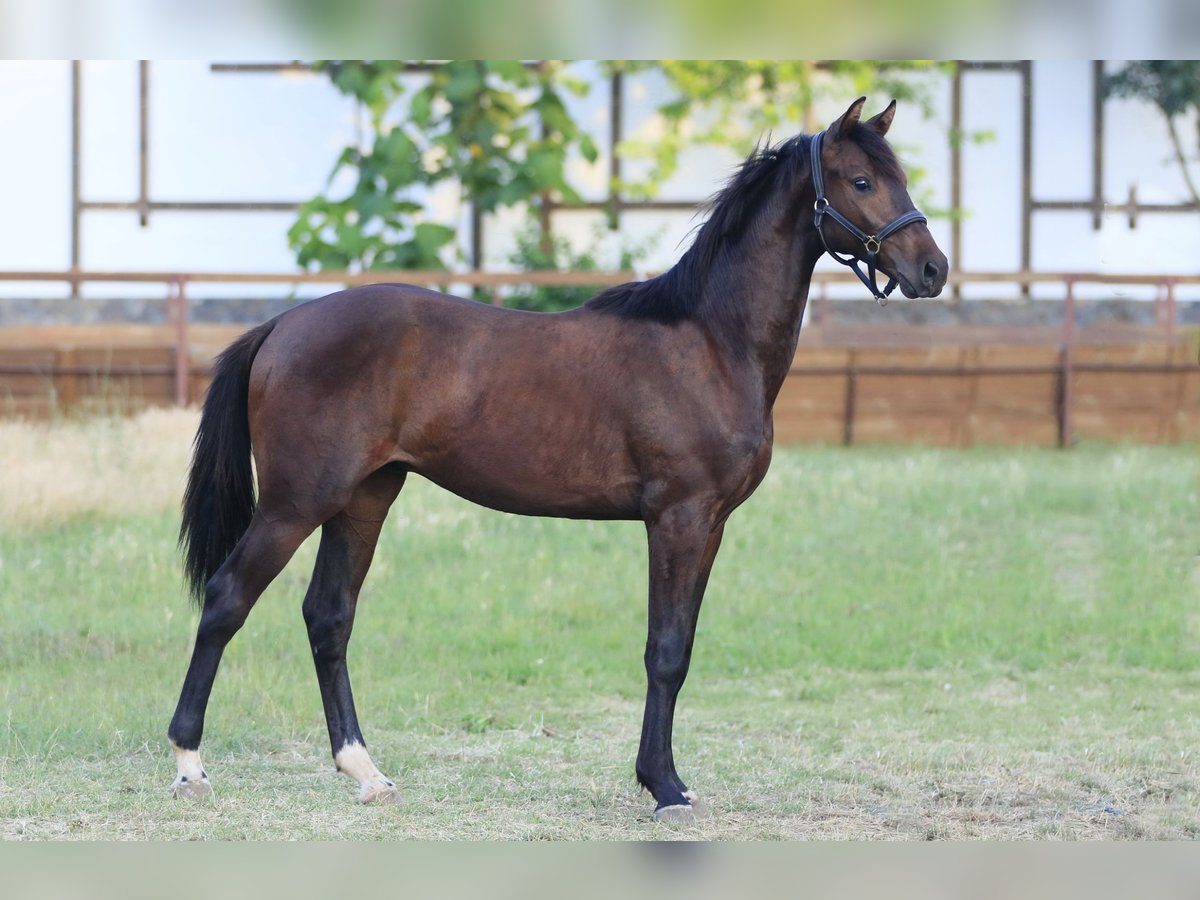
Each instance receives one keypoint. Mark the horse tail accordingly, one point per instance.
(219, 500)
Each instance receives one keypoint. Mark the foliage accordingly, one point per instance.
(536, 252)
(736, 103)
(1174, 87)
(502, 131)
(498, 129)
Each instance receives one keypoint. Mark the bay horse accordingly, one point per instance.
(651, 401)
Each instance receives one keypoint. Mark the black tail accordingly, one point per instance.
(219, 500)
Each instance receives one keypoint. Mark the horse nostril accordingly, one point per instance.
(931, 273)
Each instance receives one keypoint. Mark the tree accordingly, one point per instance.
(1174, 87)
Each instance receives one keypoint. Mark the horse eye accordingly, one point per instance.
(862, 184)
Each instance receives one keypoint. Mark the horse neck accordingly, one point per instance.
(768, 286)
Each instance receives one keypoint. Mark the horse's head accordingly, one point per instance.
(865, 210)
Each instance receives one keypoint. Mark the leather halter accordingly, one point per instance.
(871, 242)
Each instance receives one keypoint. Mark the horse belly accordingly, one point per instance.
(536, 465)
(517, 486)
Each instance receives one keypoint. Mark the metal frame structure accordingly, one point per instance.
(1030, 204)
(144, 204)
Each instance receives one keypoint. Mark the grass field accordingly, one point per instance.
(896, 643)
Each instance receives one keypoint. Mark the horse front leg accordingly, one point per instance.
(683, 544)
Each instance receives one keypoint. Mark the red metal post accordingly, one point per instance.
(182, 362)
(1097, 144)
(76, 170)
(1172, 311)
(821, 307)
(143, 201)
(615, 116)
(1026, 171)
(956, 154)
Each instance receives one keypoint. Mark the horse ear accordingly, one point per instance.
(883, 121)
(841, 128)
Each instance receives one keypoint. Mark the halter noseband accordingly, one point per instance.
(871, 242)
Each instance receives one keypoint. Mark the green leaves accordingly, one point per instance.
(1173, 85)
(373, 226)
(374, 83)
(736, 103)
(536, 252)
(499, 129)
(430, 238)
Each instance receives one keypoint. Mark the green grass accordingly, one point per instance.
(895, 642)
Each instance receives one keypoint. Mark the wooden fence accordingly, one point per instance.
(939, 385)
(962, 395)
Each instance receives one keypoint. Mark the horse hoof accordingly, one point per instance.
(688, 813)
(699, 807)
(679, 814)
(384, 795)
(191, 789)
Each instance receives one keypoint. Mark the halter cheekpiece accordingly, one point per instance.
(871, 242)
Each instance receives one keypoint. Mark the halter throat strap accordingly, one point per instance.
(871, 242)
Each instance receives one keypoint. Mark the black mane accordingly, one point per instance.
(676, 293)
(673, 294)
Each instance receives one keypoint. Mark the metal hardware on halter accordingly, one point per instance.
(871, 242)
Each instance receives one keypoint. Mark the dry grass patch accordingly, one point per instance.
(893, 774)
(54, 471)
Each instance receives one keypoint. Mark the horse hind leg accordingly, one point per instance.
(347, 546)
(231, 593)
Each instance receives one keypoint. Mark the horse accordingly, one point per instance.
(652, 401)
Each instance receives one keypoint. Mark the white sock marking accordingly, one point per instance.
(187, 765)
(354, 760)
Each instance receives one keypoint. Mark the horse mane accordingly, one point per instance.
(677, 293)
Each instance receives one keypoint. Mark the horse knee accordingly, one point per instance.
(329, 624)
(667, 659)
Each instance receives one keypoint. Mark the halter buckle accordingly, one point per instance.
(871, 239)
(820, 204)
